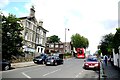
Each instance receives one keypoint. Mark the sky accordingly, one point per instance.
(89, 18)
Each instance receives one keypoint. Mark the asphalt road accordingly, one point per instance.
(72, 68)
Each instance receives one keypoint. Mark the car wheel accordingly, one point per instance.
(84, 67)
(6, 67)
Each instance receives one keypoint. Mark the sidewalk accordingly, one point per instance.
(22, 64)
(110, 71)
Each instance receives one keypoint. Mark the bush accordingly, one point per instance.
(67, 54)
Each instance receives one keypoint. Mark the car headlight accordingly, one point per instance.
(52, 60)
(96, 64)
(86, 64)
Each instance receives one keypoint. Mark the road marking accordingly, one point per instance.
(79, 74)
(34, 69)
(26, 75)
(51, 72)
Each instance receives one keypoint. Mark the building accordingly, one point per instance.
(67, 47)
(58, 47)
(34, 34)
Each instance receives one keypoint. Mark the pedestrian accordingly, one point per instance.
(106, 60)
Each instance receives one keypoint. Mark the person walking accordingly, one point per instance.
(106, 60)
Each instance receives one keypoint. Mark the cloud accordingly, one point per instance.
(16, 8)
(5, 13)
(3, 3)
(91, 19)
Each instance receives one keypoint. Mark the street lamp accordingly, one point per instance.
(65, 37)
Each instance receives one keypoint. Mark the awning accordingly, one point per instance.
(29, 49)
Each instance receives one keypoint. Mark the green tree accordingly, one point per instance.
(79, 41)
(106, 44)
(11, 36)
(116, 40)
(53, 39)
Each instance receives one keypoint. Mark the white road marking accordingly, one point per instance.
(26, 75)
(34, 69)
(51, 72)
(79, 74)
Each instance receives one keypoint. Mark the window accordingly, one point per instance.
(28, 24)
(37, 39)
(41, 32)
(51, 45)
(61, 46)
(41, 40)
(34, 27)
(56, 45)
(47, 45)
(37, 30)
(31, 36)
(26, 35)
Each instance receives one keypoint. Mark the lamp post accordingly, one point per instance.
(65, 38)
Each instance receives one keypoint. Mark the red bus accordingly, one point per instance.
(80, 53)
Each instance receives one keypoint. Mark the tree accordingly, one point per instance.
(116, 40)
(79, 41)
(11, 36)
(53, 39)
(106, 44)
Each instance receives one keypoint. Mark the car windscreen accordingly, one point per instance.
(91, 60)
(51, 57)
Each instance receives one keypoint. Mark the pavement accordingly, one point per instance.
(22, 64)
(111, 72)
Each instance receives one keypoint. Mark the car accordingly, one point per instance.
(40, 59)
(91, 63)
(60, 55)
(53, 60)
(6, 64)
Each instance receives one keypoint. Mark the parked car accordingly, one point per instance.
(53, 60)
(40, 59)
(6, 65)
(60, 55)
(91, 63)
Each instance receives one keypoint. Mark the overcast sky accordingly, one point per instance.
(90, 18)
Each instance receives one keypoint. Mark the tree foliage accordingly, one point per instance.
(53, 39)
(106, 44)
(116, 40)
(79, 41)
(11, 36)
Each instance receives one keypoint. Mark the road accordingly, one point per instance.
(72, 68)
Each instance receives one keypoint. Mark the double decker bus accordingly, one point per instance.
(80, 53)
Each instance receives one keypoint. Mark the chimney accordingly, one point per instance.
(40, 23)
(32, 11)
